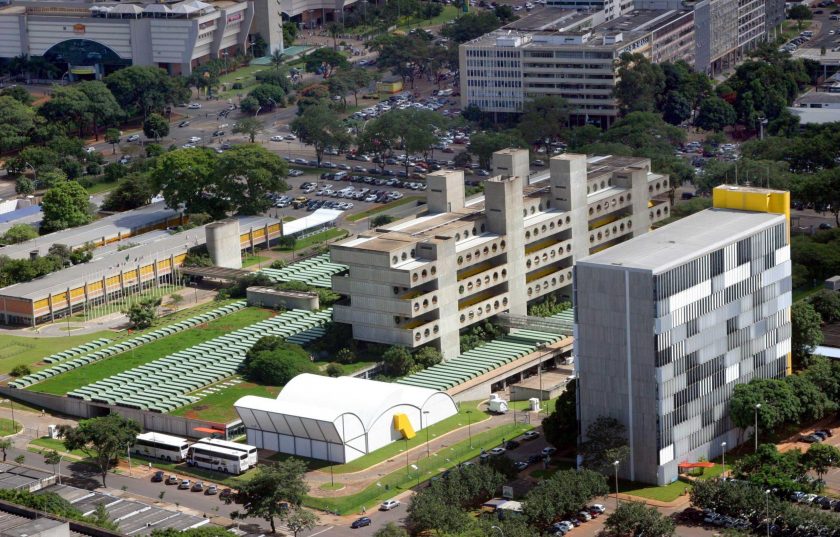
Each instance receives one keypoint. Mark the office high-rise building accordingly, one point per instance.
(668, 323)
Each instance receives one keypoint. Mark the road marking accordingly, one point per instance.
(322, 531)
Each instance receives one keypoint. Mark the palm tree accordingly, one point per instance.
(277, 58)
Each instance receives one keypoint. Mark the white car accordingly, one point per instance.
(90, 150)
(188, 146)
(276, 138)
(387, 505)
(549, 450)
(194, 139)
(598, 507)
(531, 435)
(497, 451)
(291, 137)
(133, 137)
(194, 106)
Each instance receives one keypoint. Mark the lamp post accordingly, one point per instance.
(615, 465)
(406, 455)
(60, 458)
(757, 406)
(426, 413)
(767, 507)
(469, 426)
(498, 528)
(128, 450)
(723, 456)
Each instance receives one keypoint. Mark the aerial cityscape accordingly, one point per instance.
(419, 268)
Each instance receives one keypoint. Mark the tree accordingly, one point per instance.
(249, 105)
(268, 96)
(778, 404)
(20, 370)
(65, 205)
(640, 83)
(112, 136)
(560, 427)
(390, 530)
(185, 176)
(278, 367)
(18, 93)
(635, 518)
(320, 127)
(52, 458)
(606, 442)
(335, 29)
(24, 185)
(247, 174)
(301, 520)
(278, 58)
(103, 108)
(324, 60)
(345, 356)
(350, 80)
(51, 177)
(250, 126)
(5, 443)
(821, 458)
(17, 121)
(427, 357)
(156, 127)
(102, 440)
(141, 90)
(677, 108)
(715, 114)
(68, 105)
(484, 144)
(272, 490)
(800, 13)
(806, 333)
(825, 302)
(397, 361)
(19, 233)
(142, 314)
(470, 26)
(567, 491)
(544, 119)
(381, 220)
(504, 465)
(133, 191)
(813, 402)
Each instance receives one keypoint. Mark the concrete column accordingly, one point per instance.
(52, 311)
(223, 243)
(636, 180)
(512, 162)
(503, 202)
(445, 191)
(568, 193)
(447, 279)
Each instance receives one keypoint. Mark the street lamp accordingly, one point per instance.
(426, 413)
(60, 458)
(469, 426)
(615, 465)
(723, 456)
(757, 406)
(498, 528)
(767, 504)
(128, 450)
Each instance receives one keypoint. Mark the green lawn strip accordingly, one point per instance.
(547, 406)
(40, 445)
(18, 350)
(716, 471)
(406, 478)
(666, 493)
(218, 407)
(124, 303)
(449, 13)
(8, 427)
(317, 238)
(76, 378)
(99, 188)
(394, 449)
(800, 294)
(250, 260)
(243, 73)
(384, 207)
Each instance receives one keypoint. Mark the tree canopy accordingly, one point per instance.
(102, 440)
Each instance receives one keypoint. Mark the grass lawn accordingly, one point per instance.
(666, 493)
(250, 260)
(403, 479)
(803, 293)
(384, 207)
(17, 350)
(124, 303)
(218, 407)
(289, 218)
(547, 406)
(39, 445)
(449, 13)
(317, 238)
(99, 188)
(6, 428)
(61, 384)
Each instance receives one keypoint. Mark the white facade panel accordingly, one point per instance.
(45, 33)
(172, 40)
(10, 38)
(666, 454)
(737, 274)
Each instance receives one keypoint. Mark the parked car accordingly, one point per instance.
(225, 494)
(184, 123)
(597, 508)
(198, 486)
(185, 484)
(531, 435)
(497, 451)
(194, 106)
(133, 137)
(172, 480)
(387, 505)
(811, 439)
(211, 490)
(277, 138)
(193, 139)
(361, 522)
(511, 444)
(521, 465)
(549, 451)
(158, 476)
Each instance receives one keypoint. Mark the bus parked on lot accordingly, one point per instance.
(161, 446)
(236, 446)
(220, 459)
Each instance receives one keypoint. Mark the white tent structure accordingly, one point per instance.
(339, 419)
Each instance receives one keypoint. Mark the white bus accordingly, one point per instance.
(221, 459)
(236, 446)
(161, 446)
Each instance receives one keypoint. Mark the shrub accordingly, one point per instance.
(20, 371)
